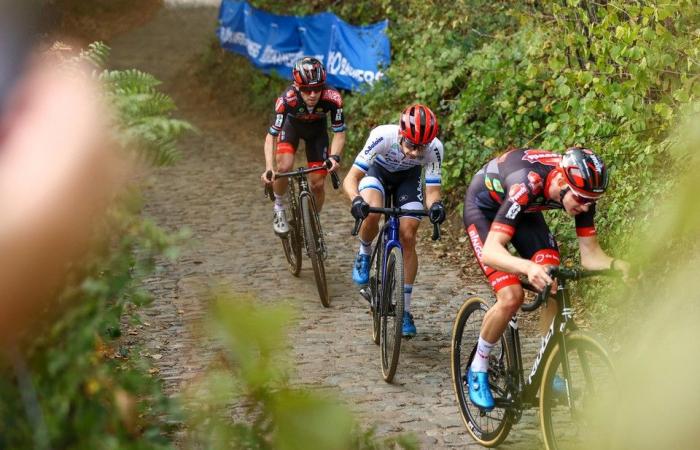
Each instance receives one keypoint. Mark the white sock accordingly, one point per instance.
(480, 363)
(280, 200)
(365, 247)
(407, 293)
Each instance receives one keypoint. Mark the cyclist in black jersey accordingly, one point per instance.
(503, 205)
(301, 113)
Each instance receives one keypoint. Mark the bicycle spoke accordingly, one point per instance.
(578, 417)
(489, 428)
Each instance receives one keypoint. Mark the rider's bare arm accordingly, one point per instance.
(432, 195)
(338, 143)
(270, 142)
(352, 181)
(594, 258)
(497, 256)
(592, 255)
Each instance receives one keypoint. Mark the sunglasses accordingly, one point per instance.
(311, 89)
(414, 147)
(583, 201)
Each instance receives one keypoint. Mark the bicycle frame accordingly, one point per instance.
(390, 231)
(524, 390)
(300, 183)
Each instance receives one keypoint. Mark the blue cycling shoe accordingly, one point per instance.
(559, 390)
(409, 327)
(479, 390)
(360, 271)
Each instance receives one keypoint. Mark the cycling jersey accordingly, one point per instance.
(508, 195)
(383, 148)
(515, 184)
(290, 105)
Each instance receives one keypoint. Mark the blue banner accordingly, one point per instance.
(353, 55)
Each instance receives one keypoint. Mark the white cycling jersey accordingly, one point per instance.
(382, 147)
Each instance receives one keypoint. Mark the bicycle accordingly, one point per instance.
(572, 372)
(304, 226)
(385, 289)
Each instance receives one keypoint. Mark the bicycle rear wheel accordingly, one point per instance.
(391, 308)
(578, 414)
(488, 428)
(375, 287)
(312, 233)
(291, 243)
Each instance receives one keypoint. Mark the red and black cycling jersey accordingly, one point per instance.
(291, 105)
(515, 183)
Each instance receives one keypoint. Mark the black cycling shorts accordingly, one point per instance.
(532, 238)
(314, 134)
(404, 186)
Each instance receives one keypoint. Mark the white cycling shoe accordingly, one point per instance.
(279, 223)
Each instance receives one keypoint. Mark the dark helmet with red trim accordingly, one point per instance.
(308, 71)
(584, 172)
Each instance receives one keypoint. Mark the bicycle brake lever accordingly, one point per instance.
(335, 180)
(356, 228)
(268, 187)
(436, 231)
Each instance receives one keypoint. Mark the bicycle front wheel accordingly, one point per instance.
(291, 243)
(375, 287)
(488, 428)
(312, 233)
(391, 308)
(576, 411)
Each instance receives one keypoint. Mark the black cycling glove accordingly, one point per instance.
(437, 212)
(359, 208)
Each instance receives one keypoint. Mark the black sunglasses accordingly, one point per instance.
(412, 146)
(311, 89)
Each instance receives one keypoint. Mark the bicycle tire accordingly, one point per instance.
(392, 303)
(487, 428)
(312, 234)
(592, 389)
(375, 286)
(291, 243)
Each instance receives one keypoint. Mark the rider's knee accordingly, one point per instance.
(317, 185)
(283, 165)
(510, 299)
(372, 220)
(407, 237)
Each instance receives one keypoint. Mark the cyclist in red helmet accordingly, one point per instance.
(392, 160)
(302, 112)
(504, 204)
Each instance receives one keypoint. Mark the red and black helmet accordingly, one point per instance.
(308, 71)
(584, 172)
(418, 124)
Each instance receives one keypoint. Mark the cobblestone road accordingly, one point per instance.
(214, 190)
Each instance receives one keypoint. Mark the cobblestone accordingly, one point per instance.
(214, 191)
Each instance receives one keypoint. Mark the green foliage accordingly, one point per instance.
(615, 76)
(74, 385)
(253, 374)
